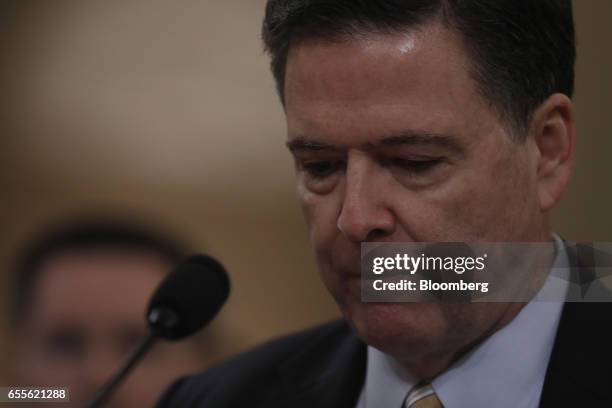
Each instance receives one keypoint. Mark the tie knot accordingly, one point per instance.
(422, 396)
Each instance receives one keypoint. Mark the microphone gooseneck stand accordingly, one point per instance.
(160, 320)
(186, 300)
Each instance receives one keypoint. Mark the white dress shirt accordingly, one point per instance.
(506, 370)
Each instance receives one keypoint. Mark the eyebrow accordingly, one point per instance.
(404, 138)
(422, 139)
(304, 144)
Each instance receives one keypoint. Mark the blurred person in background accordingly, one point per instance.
(79, 299)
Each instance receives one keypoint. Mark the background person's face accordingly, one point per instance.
(392, 142)
(87, 313)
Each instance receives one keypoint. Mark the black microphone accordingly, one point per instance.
(186, 300)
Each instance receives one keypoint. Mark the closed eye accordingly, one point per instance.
(323, 168)
(416, 166)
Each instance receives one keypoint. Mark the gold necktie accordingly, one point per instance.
(422, 397)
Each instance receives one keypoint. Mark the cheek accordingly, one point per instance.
(321, 214)
(494, 202)
(488, 201)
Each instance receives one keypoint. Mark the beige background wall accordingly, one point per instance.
(166, 110)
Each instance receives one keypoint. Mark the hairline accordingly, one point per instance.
(515, 127)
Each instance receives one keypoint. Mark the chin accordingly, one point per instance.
(407, 330)
(399, 329)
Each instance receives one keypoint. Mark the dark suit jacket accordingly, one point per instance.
(325, 368)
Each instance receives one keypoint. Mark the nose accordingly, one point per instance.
(98, 367)
(365, 214)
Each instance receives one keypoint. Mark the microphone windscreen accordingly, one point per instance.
(194, 292)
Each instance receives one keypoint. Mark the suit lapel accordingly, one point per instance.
(579, 369)
(329, 373)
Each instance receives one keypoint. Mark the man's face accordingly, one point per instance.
(87, 313)
(392, 142)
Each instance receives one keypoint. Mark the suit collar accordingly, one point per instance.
(328, 372)
(578, 371)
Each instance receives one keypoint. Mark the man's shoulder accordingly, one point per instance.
(256, 374)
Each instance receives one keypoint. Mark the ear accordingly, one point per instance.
(554, 134)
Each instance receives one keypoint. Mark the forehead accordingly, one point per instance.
(375, 84)
(95, 282)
